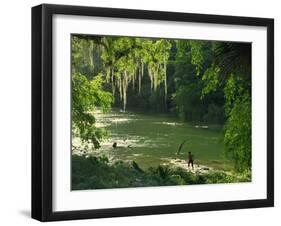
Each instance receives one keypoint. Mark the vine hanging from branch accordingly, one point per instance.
(125, 61)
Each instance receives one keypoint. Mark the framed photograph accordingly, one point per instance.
(145, 112)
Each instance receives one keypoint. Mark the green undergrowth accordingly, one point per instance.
(99, 173)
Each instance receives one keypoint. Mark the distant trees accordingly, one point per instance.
(192, 59)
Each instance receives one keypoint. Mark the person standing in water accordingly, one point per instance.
(190, 159)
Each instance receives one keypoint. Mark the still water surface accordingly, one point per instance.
(152, 139)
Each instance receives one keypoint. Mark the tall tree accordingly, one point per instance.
(87, 93)
(231, 72)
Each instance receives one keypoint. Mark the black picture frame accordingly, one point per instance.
(42, 111)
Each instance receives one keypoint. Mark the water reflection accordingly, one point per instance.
(152, 139)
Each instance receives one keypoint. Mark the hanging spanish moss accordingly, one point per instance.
(165, 79)
(125, 63)
(133, 79)
(91, 57)
(112, 82)
(139, 78)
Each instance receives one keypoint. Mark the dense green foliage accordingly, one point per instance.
(98, 172)
(198, 81)
(86, 95)
(189, 84)
(230, 71)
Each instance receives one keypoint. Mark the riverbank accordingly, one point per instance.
(197, 169)
(99, 173)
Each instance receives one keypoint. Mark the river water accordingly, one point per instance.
(153, 139)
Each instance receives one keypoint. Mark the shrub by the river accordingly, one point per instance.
(99, 173)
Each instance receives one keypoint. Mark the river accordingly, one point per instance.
(153, 139)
